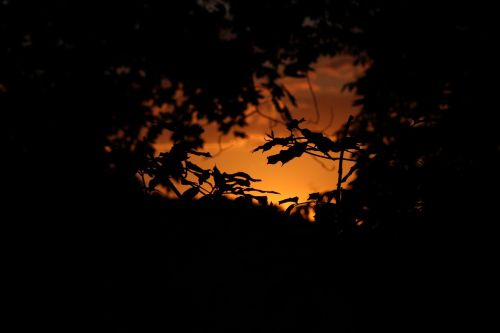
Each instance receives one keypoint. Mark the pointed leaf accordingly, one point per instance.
(288, 211)
(294, 123)
(250, 189)
(313, 196)
(292, 98)
(294, 200)
(261, 199)
(239, 181)
(265, 147)
(244, 175)
(323, 143)
(240, 134)
(184, 181)
(190, 193)
(218, 179)
(287, 155)
(274, 142)
(199, 153)
(193, 167)
(349, 143)
(153, 183)
(273, 159)
(203, 177)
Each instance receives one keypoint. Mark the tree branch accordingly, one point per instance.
(315, 100)
(173, 188)
(341, 160)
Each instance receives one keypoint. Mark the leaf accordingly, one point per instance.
(297, 70)
(325, 212)
(153, 183)
(199, 153)
(203, 177)
(184, 181)
(329, 195)
(244, 175)
(178, 152)
(313, 196)
(220, 182)
(250, 189)
(273, 159)
(274, 142)
(323, 143)
(240, 134)
(168, 164)
(264, 70)
(276, 91)
(239, 181)
(294, 200)
(265, 147)
(287, 155)
(261, 199)
(194, 167)
(288, 211)
(171, 187)
(292, 98)
(243, 198)
(238, 190)
(283, 110)
(190, 193)
(216, 171)
(349, 143)
(294, 123)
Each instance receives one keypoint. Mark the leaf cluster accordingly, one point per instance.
(175, 166)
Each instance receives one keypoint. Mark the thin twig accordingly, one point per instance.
(202, 189)
(315, 100)
(317, 155)
(260, 113)
(330, 121)
(341, 159)
(144, 187)
(323, 165)
(272, 121)
(221, 149)
(328, 157)
(173, 188)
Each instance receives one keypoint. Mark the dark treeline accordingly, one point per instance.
(89, 247)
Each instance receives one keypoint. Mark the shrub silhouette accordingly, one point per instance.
(304, 141)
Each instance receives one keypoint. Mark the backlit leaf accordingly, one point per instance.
(190, 193)
(294, 200)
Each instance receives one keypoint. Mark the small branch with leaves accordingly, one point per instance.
(175, 166)
(303, 141)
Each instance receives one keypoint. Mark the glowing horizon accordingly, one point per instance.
(300, 176)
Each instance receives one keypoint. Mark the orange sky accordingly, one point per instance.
(301, 176)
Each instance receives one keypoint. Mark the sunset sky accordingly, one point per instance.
(300, 176)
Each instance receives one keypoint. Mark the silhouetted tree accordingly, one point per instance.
(86, 89)
(83, 84)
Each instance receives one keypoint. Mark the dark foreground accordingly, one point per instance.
(163, 266)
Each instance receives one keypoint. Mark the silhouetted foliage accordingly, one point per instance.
(87, 88)
(301, 141)
(175, 166)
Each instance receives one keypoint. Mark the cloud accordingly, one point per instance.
(340, 67)
(300, 85)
